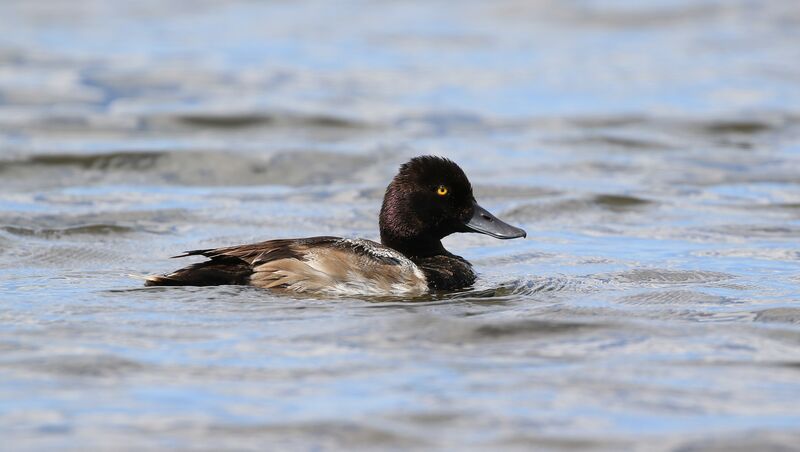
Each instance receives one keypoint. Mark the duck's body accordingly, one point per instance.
(410, 260)
(325, 265)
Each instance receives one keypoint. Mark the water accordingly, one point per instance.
(652, 152)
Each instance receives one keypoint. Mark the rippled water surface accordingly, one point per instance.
(650, 149)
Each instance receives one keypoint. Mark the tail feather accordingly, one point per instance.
(162, 281)
(209, 273)
(205, 252)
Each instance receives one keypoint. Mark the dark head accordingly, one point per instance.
(431, 198)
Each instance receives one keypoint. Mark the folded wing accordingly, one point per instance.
(328, 265)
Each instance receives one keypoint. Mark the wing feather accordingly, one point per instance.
(317, 264)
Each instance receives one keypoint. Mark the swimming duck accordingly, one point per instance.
(429, 199)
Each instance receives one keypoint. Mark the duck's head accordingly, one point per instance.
(431, 198)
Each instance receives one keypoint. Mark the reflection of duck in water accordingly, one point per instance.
(430, 198)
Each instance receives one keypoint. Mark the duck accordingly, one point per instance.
(430, 198)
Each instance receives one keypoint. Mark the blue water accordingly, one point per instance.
(651, 151)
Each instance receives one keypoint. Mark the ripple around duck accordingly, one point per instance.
(536, 286)
(512, 259)
(99, 223)
(137, 161)
(243, 120)
(603, 204)
(764, 440)
(617, 142)
(64, 256)
(78, 365)
(675, 297)
(483, 192)
(327, 434)
(619, 202)
(667, 277)
(774, 254)
(741, 126)
(520, 287)
(89, 229)
(668, 134)
(421, 326)
(293, 168)
(532, 328)
(532, 441)
(261, 121)
(750, 231)
(779, 315)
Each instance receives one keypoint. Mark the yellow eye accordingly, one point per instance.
(442, 190)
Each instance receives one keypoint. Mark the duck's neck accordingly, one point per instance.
(442, 270)
(416, 247)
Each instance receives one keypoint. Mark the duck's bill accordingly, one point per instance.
(484, 222)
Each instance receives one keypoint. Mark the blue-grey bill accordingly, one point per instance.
(484, 222)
